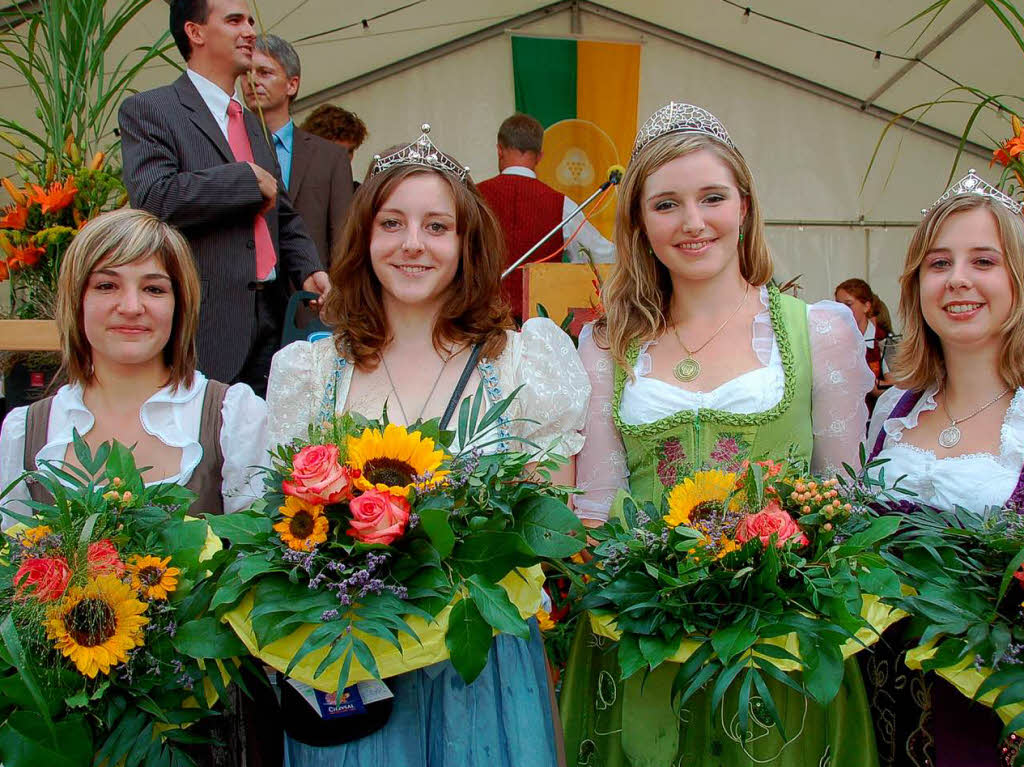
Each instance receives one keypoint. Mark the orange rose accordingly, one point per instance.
(771, 520)
(47, 576)
(378, 517)
(318, 477)
(103, 559)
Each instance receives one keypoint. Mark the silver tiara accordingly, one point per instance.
(675, 117)
(420, 152)
(972, 183)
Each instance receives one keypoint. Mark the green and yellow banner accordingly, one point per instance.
(585, 95)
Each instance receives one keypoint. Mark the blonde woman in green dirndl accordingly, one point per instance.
(700, 361)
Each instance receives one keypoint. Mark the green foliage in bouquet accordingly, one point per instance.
(107, 651)
(966, 571)
(366, 525)
(741, 576)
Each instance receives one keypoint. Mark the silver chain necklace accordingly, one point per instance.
(950, 436)
(426, 402)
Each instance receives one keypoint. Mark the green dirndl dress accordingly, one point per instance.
(609, 722)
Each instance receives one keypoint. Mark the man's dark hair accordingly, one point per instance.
(197, 11)
(522, 132)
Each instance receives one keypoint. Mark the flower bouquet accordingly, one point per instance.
(741, 576)
(377, 551)
(105, 647)
(966, 569)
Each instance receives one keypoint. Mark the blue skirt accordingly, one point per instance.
(502, 719)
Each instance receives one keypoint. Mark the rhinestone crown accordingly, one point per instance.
(972, 183)
(675, 117)
(420, 152)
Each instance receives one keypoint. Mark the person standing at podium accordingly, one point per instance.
(527, 208)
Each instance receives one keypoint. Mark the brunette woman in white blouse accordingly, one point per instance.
(128, 306)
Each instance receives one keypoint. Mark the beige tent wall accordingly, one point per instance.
(808, 154)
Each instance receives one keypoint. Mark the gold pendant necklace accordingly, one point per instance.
(688, 369)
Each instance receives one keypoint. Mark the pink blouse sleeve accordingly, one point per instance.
(601, 465)
(841, 381)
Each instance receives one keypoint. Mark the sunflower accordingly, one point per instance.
(97, 625)
(304, 525)
(396, 461)
(705, 493)
(151, 576)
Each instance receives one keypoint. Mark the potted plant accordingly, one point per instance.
(62, 180)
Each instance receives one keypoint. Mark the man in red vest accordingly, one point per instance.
(528, 208)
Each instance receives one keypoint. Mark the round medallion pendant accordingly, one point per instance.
(686, 370)
(949, 437)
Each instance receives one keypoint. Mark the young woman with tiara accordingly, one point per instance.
(700, 360)
(953, 425)
(415, 297)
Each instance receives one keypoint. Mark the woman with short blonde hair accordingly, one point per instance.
(127, 309)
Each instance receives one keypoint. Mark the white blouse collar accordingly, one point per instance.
(1011, 434)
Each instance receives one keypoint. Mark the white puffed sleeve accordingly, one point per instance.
(601, 465)
(291, 393)
(885, 405)
(243, 442)
(841, 380)
(555, 388)
(12, 464)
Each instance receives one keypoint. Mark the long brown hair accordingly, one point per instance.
(472, 310)
(119, 238)
(860, 290)
(637, 294)
(919, 361)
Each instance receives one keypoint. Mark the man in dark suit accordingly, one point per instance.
(195, 159)
(316, 173)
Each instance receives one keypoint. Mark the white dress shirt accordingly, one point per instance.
(601, 249)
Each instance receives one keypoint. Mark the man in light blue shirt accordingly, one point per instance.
(316, 173)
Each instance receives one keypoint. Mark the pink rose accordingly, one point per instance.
(771, 520)
(103, 559)
(378, 517)
(318, 477)
(47, 576)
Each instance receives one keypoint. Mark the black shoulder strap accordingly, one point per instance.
(460, 387)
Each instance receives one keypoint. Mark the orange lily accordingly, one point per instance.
(1000, 156)
(1014, 146)
(57, 197)
(15, 218)
(5, 273)
(25, 256)
(16, 194)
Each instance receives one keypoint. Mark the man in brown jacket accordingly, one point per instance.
(316, 173)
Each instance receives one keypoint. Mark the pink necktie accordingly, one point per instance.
(238, 140)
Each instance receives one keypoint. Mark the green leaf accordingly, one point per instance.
(630, 589)
(631, 659)
(437, 526)
(880, 581)
(497, 609)
(769, 701)
(657, 649)
(12, 642)
(25, 742)
(242, 528)
(823, 669)
(880, 529)
(550, 528)
(731, 641)
(208, 638)
(490, 554)
(468, 640)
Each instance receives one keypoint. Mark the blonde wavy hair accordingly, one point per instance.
(636, 295)
(115, 239)
(919, 362)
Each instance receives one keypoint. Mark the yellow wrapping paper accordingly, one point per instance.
(966, 678)
(523, 588)
(879, 615)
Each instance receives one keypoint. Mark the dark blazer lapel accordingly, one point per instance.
(301, 156)
(200, 115)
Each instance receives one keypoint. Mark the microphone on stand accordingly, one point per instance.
(615, 173)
